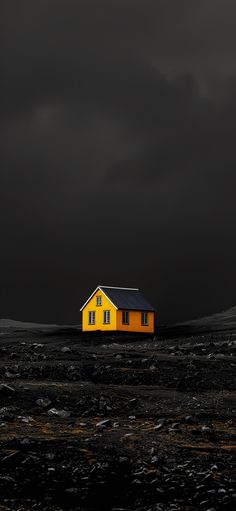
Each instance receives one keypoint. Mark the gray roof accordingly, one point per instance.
(127, 298)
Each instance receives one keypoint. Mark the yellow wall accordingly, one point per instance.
(135, 322)
(91, 306)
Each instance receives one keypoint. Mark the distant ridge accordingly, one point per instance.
(12, 323)
(222, 319)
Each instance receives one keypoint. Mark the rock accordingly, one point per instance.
(189, 419)
(12, 355)
(6, 481)
(6, 388)
(102, 403)
(7, 412)
(9, 375)
(31, 460)
(26, 419)
(207, 476)
(103, 424)
(136, 481)
(123, 459)
(25, 441)
(154, 459)
(65, 349)
(205, 429)
(10, 456)
(64, 414)
(214, 467)
(159, 425)
(50, 456)
(41, 356)
(174, 426)
(43, 403)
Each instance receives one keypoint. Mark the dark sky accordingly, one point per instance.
(118, 154)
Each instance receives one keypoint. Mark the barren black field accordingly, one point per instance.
(111, 422)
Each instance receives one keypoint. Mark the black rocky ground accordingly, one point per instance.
(116, 422)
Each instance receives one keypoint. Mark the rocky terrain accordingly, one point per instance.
(116, 422)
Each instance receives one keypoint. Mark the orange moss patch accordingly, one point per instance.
(89, 456)
(199, 446)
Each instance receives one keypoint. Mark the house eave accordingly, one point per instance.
(135, 310)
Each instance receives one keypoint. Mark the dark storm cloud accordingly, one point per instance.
(53, 49)
(117, 149)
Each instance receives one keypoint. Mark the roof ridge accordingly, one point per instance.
(117, 287)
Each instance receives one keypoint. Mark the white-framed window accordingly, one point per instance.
(144, 318)
(125, 317)
(98, 300)
(91, 317)
(106, 317)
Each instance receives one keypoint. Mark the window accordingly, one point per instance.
(91, 318)
(98, 301)
(125, 318)
(106, 317)
(144, 318)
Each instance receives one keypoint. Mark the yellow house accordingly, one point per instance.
(117, 308)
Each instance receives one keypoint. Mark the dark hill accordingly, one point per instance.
(222, 321)
(24, 325)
